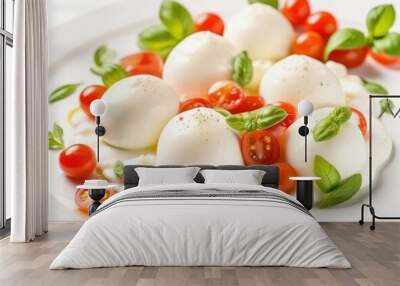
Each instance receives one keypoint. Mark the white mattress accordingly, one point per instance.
(191, 231)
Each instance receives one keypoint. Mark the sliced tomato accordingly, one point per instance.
(296, 11)
(210, 22)
(310, 44)
(322, 22)
(350, 58)
(362, 122)
(193, 103)
(249, 103)
(291, 111)
(143, 63)
(386, 60)
(285, 172)
(259, 147)
(78, 162)
(226, 94)
(90, 93)
(280, 134)
(83, 201)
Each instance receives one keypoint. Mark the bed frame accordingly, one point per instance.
(270, 179)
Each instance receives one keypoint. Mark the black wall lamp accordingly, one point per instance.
(98, 108)
(305, 108)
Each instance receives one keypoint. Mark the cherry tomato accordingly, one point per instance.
(77, 161)
(350, 58)
(259, 147)
(362, 123)
(226, 94)
(386, 60)
(250, 103)
(296, 11)
(90, 93)
(324, 23)
(193, 103)
(210, 22)
(285, 172)
(280, 134)
(83, 201)
(143, 63)
(310, 44)
(291, 111)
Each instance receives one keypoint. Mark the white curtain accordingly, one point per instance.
(26, 118)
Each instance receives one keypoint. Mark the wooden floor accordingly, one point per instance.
(375, 257)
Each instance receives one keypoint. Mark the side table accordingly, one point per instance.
(304, 190)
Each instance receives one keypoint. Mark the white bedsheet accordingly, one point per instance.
(200, 231)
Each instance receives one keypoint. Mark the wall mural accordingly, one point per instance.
(191, 85)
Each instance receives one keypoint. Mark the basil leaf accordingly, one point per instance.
(257, 119)
(269, 116)
(380, 19)
(157, 39)
(118, 169)
(348, 188)
(340, 114)
(53, 143)
(387, 106)
(58, 133)
(223, 112)
(176, 19)
(389, 45)
(345, 39)
(329, 127)
(273, 3)
(235, 122)
(330, 177)
(242, 69)
(103, 55)
(250, 121)
(56, 138)
(374, 88)
(325, 129)
(63, 92)
(110, 73)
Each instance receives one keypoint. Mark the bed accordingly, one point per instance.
(198, 224)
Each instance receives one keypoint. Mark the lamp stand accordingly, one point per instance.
(369, 204)
(100, 131)
(303, 131)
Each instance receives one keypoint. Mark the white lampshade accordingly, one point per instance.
(305, 108)
(98, 107)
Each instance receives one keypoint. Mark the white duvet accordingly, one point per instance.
(192, 231)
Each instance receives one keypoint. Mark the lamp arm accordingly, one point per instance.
(100, 131)
(303, 131)
(98, 138)
(305, 138)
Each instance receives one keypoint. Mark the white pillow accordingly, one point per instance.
(247, 177)
(163, 176)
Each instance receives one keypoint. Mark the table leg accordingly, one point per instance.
(96, 195)
(305, 194)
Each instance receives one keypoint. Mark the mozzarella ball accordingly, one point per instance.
(356, 94)
(382, 150)
(138, 107)
(338, 69)
(198, 136)
(197, 62)
(347, 151)
(260, 30)
(297, 78)
(260, 67)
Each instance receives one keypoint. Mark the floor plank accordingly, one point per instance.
(375, 257)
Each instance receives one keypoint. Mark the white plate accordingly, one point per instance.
(116, 23)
